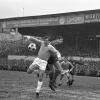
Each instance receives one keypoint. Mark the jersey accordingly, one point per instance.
(44, 52)
(48, 51)
(66, 65)
(45, 49)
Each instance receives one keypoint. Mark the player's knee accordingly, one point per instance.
(41, 76)
(29, 71)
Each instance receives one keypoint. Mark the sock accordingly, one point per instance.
(39, 86)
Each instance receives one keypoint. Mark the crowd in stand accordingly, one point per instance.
(19, 47)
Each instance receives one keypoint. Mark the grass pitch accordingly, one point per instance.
(21, 86)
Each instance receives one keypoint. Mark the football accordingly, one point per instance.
(32, 46)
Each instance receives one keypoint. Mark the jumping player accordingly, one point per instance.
(53, 62)
(40, 62)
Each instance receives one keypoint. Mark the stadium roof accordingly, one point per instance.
(53, 15)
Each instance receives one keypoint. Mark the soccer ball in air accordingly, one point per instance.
(32, 46)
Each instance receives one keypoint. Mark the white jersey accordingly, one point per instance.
(44, 53)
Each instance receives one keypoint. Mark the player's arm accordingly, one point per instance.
(54, 51)
(72, 66)
(34, 40)
(58, 55)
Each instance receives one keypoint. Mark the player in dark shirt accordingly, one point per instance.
(53, 61)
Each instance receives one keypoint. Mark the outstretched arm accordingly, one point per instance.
(54, 51)
(34, 40)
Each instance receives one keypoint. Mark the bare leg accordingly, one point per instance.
(51, 76)
(40, 82)
(32, 68)
(52, 73)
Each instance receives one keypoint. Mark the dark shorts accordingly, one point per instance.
(52, 60)
(47, 67)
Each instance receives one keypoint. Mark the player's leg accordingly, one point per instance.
(58, 66)
(47, 71)
(61, 77)
(52, 72)
(42, 68)
(71, 78)
(51, 77)
(57, 73)
(58, 70)
(40, 82)
(32, 67)
(68, 79)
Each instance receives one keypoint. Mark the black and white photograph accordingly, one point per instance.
(49, 50)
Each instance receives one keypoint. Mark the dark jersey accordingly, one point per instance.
(52, 59)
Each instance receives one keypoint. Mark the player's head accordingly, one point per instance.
(46, 41)
(32, 47)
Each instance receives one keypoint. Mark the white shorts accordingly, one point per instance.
(41, 63)
(66, 72)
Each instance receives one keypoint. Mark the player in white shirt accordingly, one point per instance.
(40, 62)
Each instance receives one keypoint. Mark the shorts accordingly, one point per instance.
(41, 63)
(52, 59)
